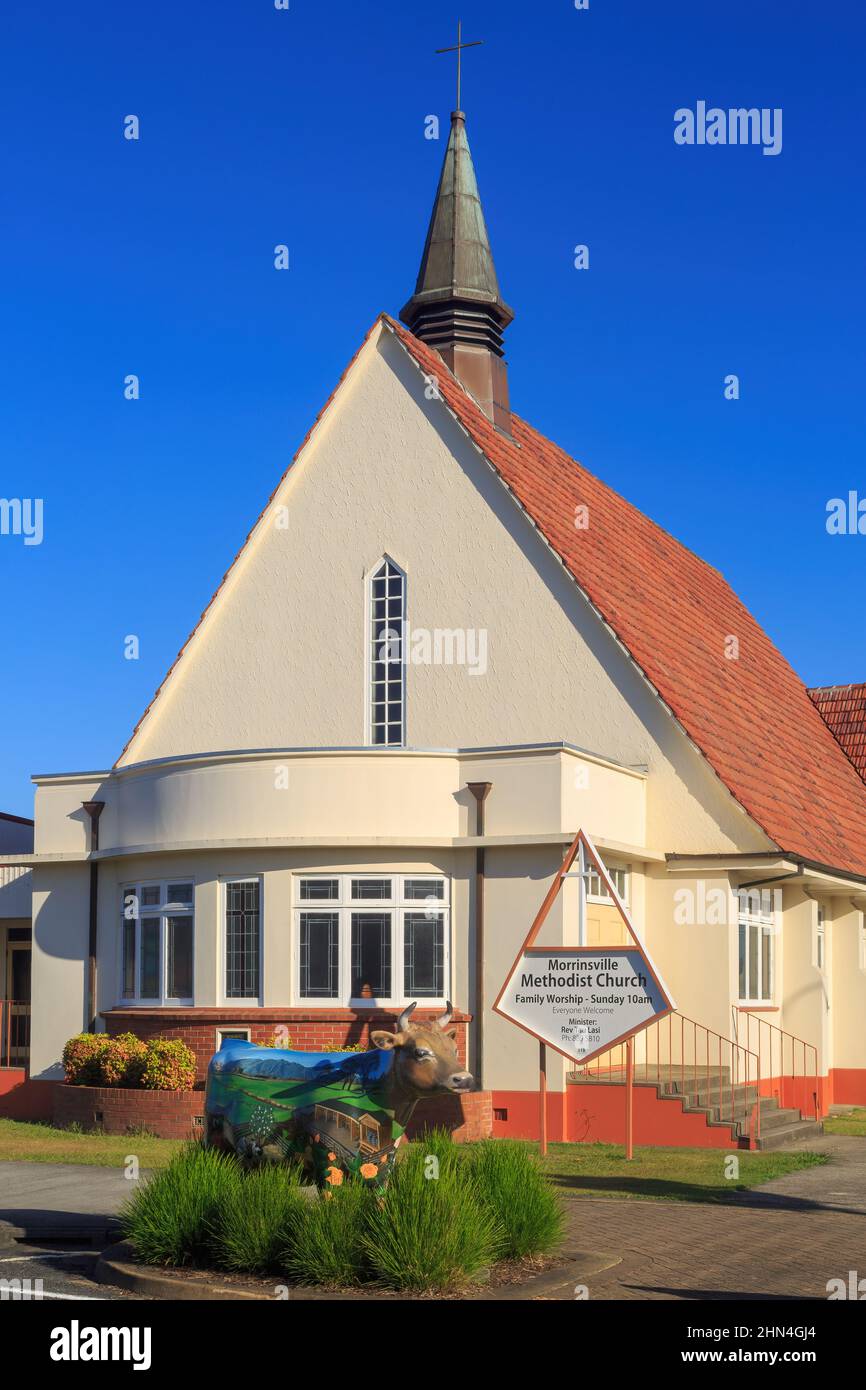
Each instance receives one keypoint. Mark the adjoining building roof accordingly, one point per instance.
(715, 668)
(843, 709)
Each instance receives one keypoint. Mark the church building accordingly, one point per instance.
(443, 649)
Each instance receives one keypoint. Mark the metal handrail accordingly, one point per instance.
(14, 1011)
(689, 1056)
(809, 1077)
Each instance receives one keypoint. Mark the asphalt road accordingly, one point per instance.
(53, 1272)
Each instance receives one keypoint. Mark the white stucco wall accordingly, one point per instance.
(280, 658)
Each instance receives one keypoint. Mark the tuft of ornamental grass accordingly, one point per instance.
(328, 1244)
(437, 1144)
(430, 1232)
(169, 1220)
(257, 1219)
(512, 1187)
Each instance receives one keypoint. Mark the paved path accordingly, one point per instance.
(783, 1240)
(60, 1200)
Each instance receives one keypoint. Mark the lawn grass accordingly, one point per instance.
(659, 1174)
(42, 1143)
(855, 1123)
(588, 1170)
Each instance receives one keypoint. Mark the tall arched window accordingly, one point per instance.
(387, 606)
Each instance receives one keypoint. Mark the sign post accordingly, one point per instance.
(629, 1098)
(542, 1097)
(583, 1000)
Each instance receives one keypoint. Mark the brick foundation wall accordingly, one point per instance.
(309, 1029)
(468, 1117)
(167, 1114)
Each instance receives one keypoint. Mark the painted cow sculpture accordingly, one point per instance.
(339, 1113)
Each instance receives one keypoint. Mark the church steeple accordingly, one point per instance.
(457, 306)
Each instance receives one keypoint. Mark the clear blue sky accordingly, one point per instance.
(261, 126)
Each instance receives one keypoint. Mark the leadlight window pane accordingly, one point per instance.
(128, 958)
(320, 889)
(180, 893)
(419, 889)
(766, 965)
(387, 668)
(242, 940)
(423, 954)
(149, 967)
(179, 957)
(366, 889)
(320, 955)
(371, 955)
(753, 961)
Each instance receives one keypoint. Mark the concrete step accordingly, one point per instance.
(796, 1133)
(778, 1119)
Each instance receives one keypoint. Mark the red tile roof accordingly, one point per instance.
(843, 709)
(750, 715)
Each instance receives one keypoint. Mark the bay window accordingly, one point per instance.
(371, 939)
(157, 930)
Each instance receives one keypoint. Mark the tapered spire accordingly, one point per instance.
(457, 306)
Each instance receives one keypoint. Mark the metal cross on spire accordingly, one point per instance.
(476, 43)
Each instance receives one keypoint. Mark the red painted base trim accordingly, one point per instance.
(595, 1114)
(848, 1085)
(23, 1099)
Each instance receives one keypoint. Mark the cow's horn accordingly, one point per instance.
(403, 1020)
(445, 1019)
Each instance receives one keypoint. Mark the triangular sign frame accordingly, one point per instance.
(663, 1002)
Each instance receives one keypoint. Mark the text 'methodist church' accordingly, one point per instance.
(443, 649)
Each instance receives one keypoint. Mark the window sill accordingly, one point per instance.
(758, 1008)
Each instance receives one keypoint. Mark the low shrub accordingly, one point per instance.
(329, 1244)
(123, 1061)
(169, 1066)
(171, 1219)
(82, 1059)
(510, 1184)
(162, 1064)
(429, 1232)
(257, 1220)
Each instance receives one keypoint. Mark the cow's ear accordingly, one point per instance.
(385, 1041)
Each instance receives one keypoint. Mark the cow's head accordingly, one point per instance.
(425, 1058)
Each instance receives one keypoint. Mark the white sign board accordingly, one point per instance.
(583, 1000)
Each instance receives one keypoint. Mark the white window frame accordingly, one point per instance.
(764, 922)
(344, 905)
(163, 910)
(820, 947)
(237, 1001)
(603, 896)
(369, 654)
(222, 1033)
